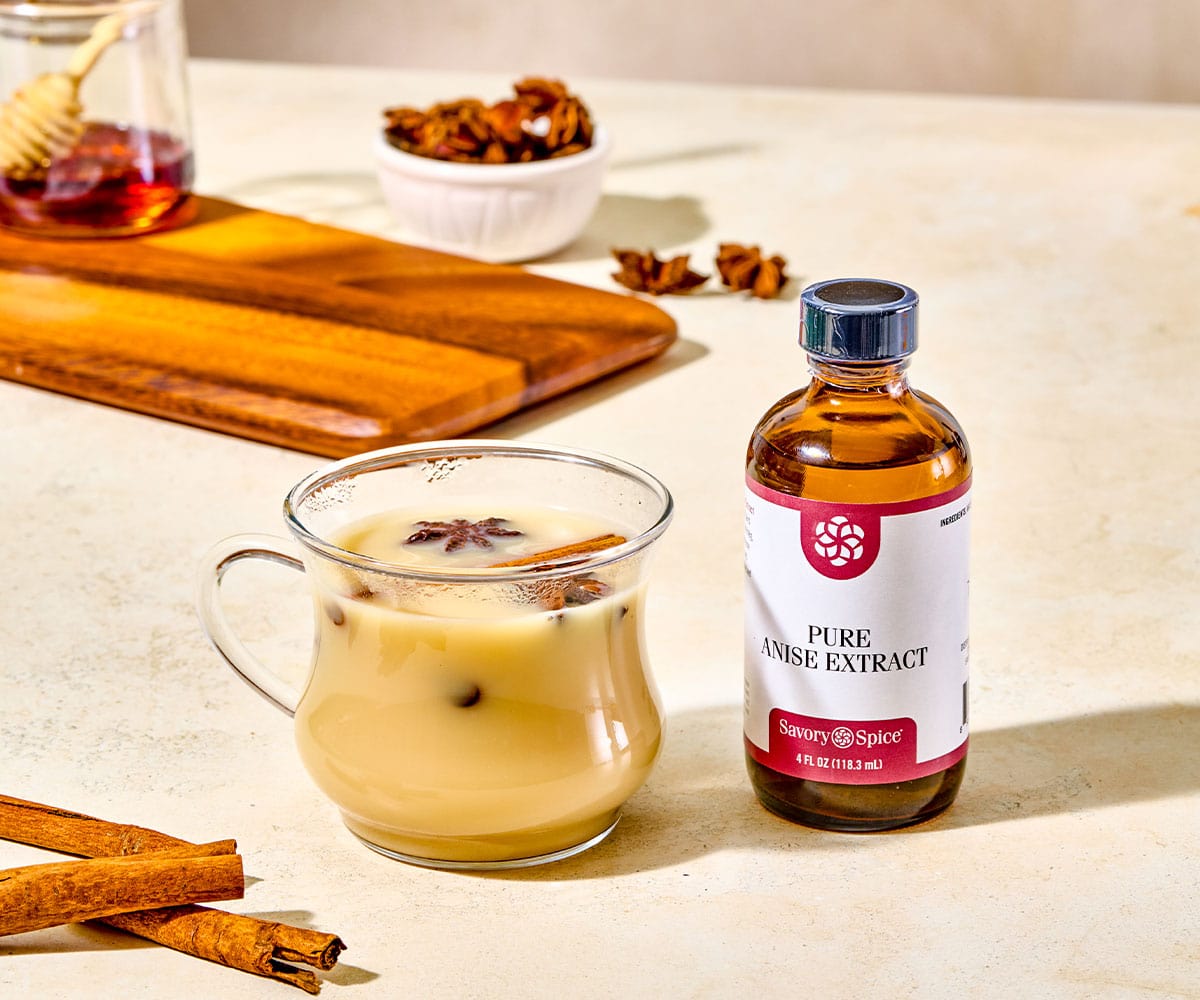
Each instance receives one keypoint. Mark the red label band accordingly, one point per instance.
(845, 752)
(841, 540)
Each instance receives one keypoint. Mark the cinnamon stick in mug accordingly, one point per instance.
(583, 548)
(66, 892)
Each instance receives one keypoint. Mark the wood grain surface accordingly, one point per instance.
(303, 335)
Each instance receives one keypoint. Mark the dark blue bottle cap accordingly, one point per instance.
(858, 319)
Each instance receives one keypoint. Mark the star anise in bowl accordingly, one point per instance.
(503, 182)
(542, 121)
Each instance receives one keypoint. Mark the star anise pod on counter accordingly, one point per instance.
(744, 269)
(460, 532)
(644, 272)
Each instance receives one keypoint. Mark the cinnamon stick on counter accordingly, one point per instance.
(74, 833)
(261, 947)
(66, 892)
(586, 547)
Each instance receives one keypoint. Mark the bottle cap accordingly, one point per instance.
(858, 319)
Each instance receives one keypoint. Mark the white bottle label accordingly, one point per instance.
(856, 635)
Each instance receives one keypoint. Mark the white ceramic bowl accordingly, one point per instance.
(498, 212)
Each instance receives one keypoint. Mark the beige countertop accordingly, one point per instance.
(1056, 247)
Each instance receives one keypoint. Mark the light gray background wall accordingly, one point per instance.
(1109, 49)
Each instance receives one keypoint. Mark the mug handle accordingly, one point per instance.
(213, 566)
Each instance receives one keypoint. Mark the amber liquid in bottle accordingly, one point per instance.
(858, 433)
(116, 181)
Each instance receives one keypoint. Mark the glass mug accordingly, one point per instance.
(462, 714)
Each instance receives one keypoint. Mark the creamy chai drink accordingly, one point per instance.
(477, 722)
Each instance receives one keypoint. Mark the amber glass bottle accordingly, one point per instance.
(856, 588)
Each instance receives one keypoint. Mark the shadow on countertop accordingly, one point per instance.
(531, 419)
(625, 220)
(635, 222)
(94, 936)
(699, 800)
(91, 936)
(69, 939)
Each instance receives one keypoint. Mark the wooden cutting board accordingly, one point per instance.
(302, 335)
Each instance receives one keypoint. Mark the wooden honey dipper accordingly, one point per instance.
(43, 118)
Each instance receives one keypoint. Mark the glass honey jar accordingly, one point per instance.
(95, 136)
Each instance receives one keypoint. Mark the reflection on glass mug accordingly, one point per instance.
(479, 695)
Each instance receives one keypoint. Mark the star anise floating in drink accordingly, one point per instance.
(460, 532)
(544, 120)
(745, 269)
(644, 272)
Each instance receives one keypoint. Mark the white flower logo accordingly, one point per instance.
(839, 540)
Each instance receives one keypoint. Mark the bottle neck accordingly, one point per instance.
(889, 376)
